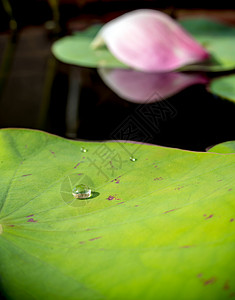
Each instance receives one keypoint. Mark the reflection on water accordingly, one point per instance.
(191, 119)
(141, 87)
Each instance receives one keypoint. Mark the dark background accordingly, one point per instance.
(39, 92)
(35, 12)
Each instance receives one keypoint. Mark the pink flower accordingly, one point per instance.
(149, 40)
(141, 87)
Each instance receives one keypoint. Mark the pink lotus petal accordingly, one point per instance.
(141, 87)
(149, 40)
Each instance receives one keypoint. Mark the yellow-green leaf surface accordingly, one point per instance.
(158, 226)
(217, 38)
(224, 87)
(226, 147)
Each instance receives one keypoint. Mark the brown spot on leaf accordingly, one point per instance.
(81, 242)
(11, 225)
(113, 197)
(231, 220)
(226, 285)
(168, 211)
(209, 281)
(230, 190)
(26, 175)
(178, 188)
(186, 246)
(111, 164)
(96, 238)
(199, 275)
(31, 220)
(52, 152)
(120, 202)
(158, 178)
(209, 217)
(232, 294)
(77, 165)
(116, 180)
(29, 216)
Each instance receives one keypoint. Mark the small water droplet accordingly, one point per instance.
(81, 191)
(83, 149)
(133, 159)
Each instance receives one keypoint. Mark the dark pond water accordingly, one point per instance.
(83, 106)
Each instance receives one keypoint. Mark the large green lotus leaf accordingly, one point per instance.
(159, 227)
(217, 38)
(224, 87)
(226, 147)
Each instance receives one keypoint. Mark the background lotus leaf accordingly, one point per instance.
(160, 226)
(217, 38)
(76, 49)
(224, 87)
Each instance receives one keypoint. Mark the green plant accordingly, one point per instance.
(157, 227)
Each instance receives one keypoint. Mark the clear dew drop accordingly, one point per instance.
(83, 149)
(81, 191)
(133, 159)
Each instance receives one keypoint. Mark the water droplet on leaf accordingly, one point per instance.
(81, 191)
(133, 159)
(83, 149)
